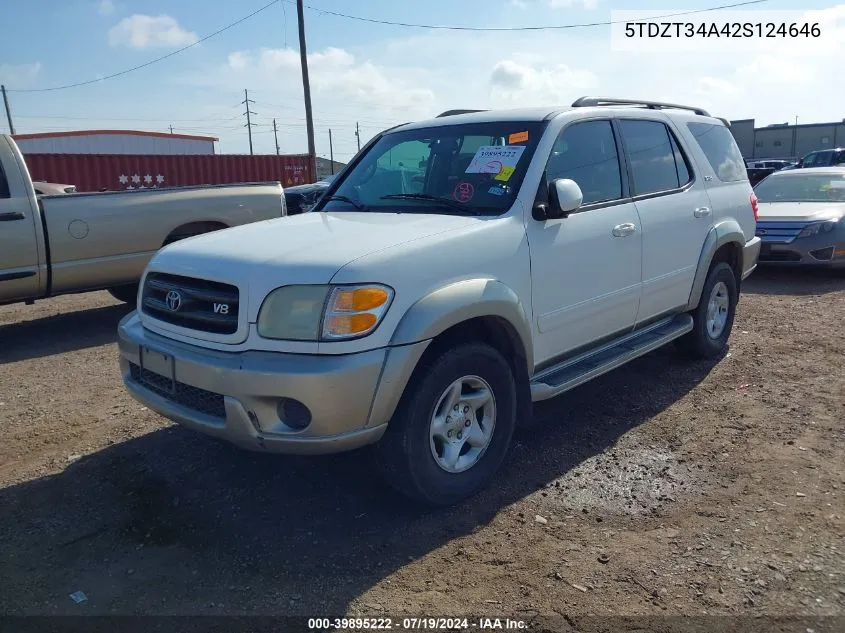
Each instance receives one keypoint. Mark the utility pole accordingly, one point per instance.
(276, 136)
(331, 151)
(249, 124)
(306, 85)
(8, 111)
(358, 135)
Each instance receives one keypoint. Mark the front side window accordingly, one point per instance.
(586, 153)
(656, 161)
(720, 149)
(798, 187)
(473, 168)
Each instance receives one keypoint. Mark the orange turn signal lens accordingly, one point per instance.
(360, 299)
(340, 325)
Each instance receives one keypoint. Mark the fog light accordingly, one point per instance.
(823, 253)
(293, 413)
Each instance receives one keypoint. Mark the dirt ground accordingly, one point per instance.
(664, 488)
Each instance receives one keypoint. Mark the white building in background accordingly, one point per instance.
(114, 142)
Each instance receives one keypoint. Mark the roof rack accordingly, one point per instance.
(589, 102)
(454, 112)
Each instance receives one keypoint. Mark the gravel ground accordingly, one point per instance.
(665, 487)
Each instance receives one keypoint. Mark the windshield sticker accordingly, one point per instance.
(496, 190)
(464, 192)
(498, 160)
(518, 137)
(505, 174)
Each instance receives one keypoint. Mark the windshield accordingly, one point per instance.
(802, 188)
(470, 168)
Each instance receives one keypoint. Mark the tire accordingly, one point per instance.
(414, 457)
(708, 339)
(127, 294)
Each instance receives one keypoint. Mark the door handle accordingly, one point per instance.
(701, 212)
(624, 230)
(14, 215)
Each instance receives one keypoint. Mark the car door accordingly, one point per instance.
(585, 267)
(674, 209)
(18, 247)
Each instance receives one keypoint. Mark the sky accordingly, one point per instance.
(381, 75)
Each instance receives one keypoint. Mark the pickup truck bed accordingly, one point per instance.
(52, 245)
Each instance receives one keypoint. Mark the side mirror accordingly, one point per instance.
(565, 197)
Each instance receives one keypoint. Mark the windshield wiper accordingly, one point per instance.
(443, 202)
(357, 205)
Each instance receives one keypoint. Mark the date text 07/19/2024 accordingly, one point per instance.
(416, 624)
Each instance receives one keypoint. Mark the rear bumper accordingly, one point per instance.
(237, 396)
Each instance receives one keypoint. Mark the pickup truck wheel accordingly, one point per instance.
(713, 318)
(453, 427)
(127, 294)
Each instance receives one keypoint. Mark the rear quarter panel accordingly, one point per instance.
(100, 240)
(730, 201)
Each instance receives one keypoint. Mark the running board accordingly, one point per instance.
(576, 371)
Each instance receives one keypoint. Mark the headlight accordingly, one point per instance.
(816, 228)
(327, 313)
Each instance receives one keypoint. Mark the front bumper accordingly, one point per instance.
(819, 251)
(236, 396)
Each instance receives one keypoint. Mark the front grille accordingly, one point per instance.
(768, 255)
(193, 398)
(198, 304)
(778, 232)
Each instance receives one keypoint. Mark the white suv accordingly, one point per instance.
(457, 270)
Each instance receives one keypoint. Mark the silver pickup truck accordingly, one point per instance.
(53, 245)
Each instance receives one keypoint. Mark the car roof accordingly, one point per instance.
(488, 116)
(809, 171)
(539, 114)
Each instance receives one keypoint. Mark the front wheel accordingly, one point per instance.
(453, 427)
(714, 317)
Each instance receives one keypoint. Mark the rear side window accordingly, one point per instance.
(657, 163)
(4, 184)
(719, 146)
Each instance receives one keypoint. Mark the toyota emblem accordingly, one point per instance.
(174, 300)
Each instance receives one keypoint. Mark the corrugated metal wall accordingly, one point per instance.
(115, 172)
(115, 144)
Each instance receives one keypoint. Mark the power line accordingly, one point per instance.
(152, 61)
(383, 22)
(523, 28)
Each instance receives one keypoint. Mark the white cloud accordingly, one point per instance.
(566, 4)
(239, 60)
(336, 77)
(146, 31)
(387, 81)
(517, 82)
(16, 75)
(711, 86)
(106, 7)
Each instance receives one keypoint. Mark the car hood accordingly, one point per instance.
(301, 249)
(800, 211)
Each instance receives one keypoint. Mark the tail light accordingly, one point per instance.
(754, 206)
